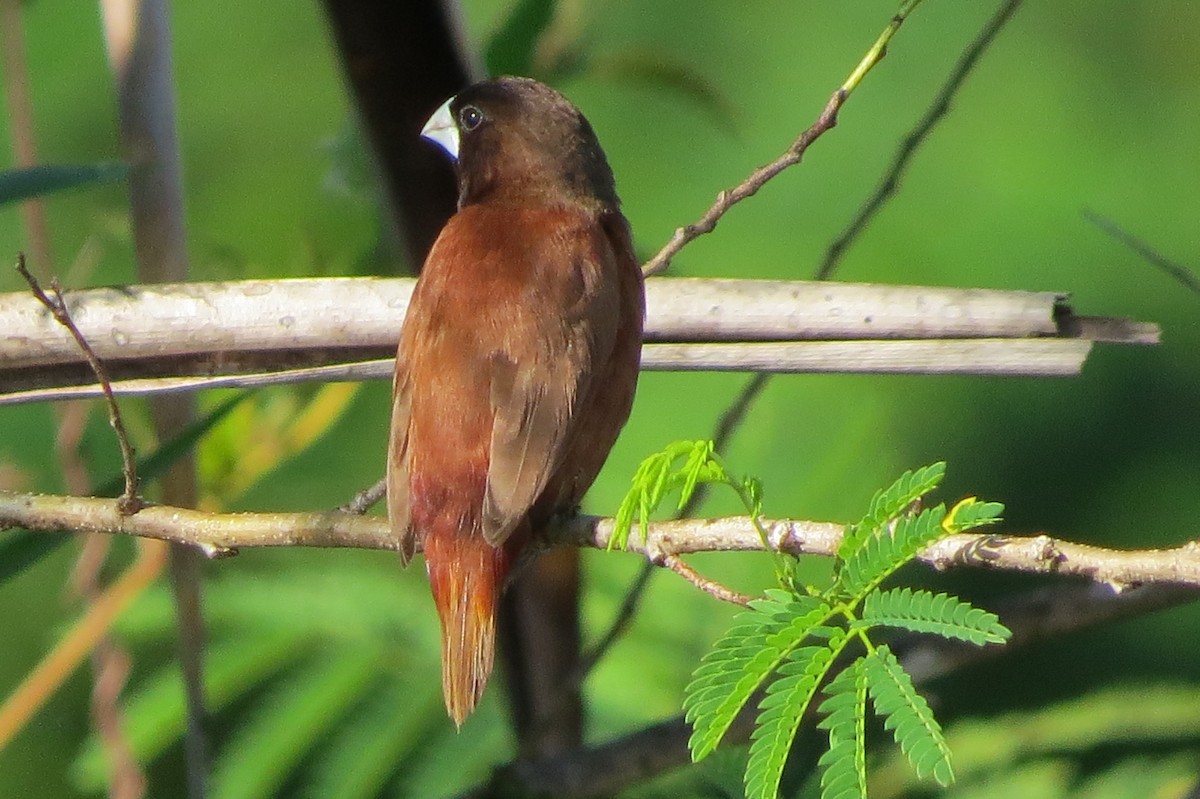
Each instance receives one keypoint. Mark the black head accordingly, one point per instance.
(515, 139)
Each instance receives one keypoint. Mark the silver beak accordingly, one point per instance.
(441, 129)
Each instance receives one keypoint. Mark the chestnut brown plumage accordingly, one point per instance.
(518, 357)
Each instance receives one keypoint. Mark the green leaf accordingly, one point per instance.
(753, 489)
(21, 549)
(844, 763)
(697, 468)
(264, 752)
(742, 660)
(889, 503)
(881, 555)
(927, 612)
(22, 184)
(782, 710)
(656, 477)
(971, 514)
(906, 713)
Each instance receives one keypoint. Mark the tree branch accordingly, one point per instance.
(916, 137)
(220, 534)
(249, 333)
(792, 156)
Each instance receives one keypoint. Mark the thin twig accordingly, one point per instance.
(733, 416)
(364, 499)
(129, 501)
(916, 137)
(110, 663)
(758, 178)
(137, 36)
(710, 587)
(633, 595)
(1176, 270)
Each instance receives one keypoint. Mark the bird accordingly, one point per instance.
(518, 357)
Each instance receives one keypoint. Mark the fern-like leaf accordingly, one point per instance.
(742, 660)
(701, 466)
(781, 712)
(940, 614)
(971, 514)
(906, 713)
(881, 555)
(888, 504)
(657, 476)
(844, 763)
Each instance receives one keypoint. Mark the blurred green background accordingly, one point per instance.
(324, 663)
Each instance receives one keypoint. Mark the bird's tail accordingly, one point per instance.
(467, 575)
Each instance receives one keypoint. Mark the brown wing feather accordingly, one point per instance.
(536, 400)
(399, 509)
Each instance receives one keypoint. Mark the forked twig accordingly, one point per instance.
(364, 499)
(685, 235)
(916, 137)
(728, 198)
(129, 501)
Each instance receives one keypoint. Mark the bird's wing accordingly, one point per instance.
(399, 512)
(535, 392)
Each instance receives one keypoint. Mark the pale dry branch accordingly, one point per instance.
(365, 499)
(242, 317)
(187, 337)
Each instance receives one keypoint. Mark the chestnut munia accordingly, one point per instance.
(518, 358)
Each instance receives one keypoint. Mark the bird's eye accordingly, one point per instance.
(470, 117)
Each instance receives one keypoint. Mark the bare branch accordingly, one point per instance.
(792, 156)
(218, 534)
(129, 502)
(710, 587)
(753, 388)
(1143, 248)
(917, 136)
(365, 499)
(192, 336)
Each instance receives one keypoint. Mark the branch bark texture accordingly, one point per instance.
(222, 534)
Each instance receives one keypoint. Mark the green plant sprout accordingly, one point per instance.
(793, 644)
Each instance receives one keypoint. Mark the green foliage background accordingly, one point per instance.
(1074, 108)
